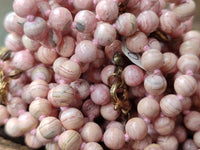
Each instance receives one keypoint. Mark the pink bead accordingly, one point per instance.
(133, 75)
(18, 104)
(170, 62)
(141, 144)
(67, 46)
(107, 10)
(115, 124)
(170, 105)
(114, 143)
(52, 146)
(27, 122)
(164, 125)
(57, 63)
(71, 118)
(185, 85)
(60, 19)
(188, 62)
(61, 95)
(154, 44)
(148, 108)
(168, 21)
(192, 35)
(70, 140)
(4, 115)
(136, 128)
(26, 96)
(44, 8)
(23, 8)
(186, 103)
(180, 133)
(40, 107)
(108, 113)
(196, 138)
(36, 29)
(82, 89)
(189, 144)
(106, 72)
(50, 127)
(85, 21)
(168, 142)
(80, 36)
(153, 147)
(112, 48)
(151, 64)
(30, 44)
(14, 23)
(14, 42)
(136, 42)
(32, 141)
(100, 59)
(192, 121)
(104, 34)
(70, 70)
(92, 146)
(189, 47)
(148, 21)
(100, 94)
(90, 109)
(138, 91)
(91, 132)
(86, 51)
(153, 5)
(76, 103)
(41, 138)
(12, 128)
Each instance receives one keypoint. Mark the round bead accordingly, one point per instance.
(192, 121)
(169, 62)
(153, 147)
(30, 44)
(4, 114)
(168, 142)
(92, 146)
(196, 138)
(12, 128)
(180, 133)
(189, 47)
(189, 145)
(32, 141)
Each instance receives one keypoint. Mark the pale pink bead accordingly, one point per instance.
(100, 94)
(41, 138)
(86, 51)
(43, 73)
(80, 36)
(189, 145)
(44, 8)
(114, 143)
(14, 23)
(115, 124)
(188, 62)
(162, 4)
(112, 48)
(67, 46)
(180, 133)
(23, 8)
(192, 35)
(85, 21)
(132, 3)
(100, 59)
(57, 63)
(91, 132)
(70, 140)
(155, 84)
(154, 44)
(50, 127)
(39, 88)
(153, 5)
(133, 75)
(136, 128)
(93, 75)
(184, 11)
(192, 121)
(82, 89)
(13, 42)
(71, 118)
(153, 147)
(148, 108)
(107, 10)
(133, 7)
(138, 91)
(170, 105)
(12, 128)
(90, 109)
(136, 42)
(27, 122)
(126, 24)
(108, 112)
(168, 22)
(18, 104)
(52, 39)
(36, 29)
(76, 103)
(40, 107)
(186, 103)
(151, 64)
(169, 62)
(30, 44)
(189, 47)
(32, 141)
(147, 21)
(26, 96)
(92, 146)
(164, 125)
(168, 142)
(70, 70)
(185, 85)
(141, 144)
(104, 34)
(83, 5)
(61, 95)
(52, 146)
(4, 115)
(196, 138)
(60, 19)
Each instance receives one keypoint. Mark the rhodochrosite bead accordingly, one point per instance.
(168, 142)
(32, 141)
(4, 115)
(92, 146)
(12, 128)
